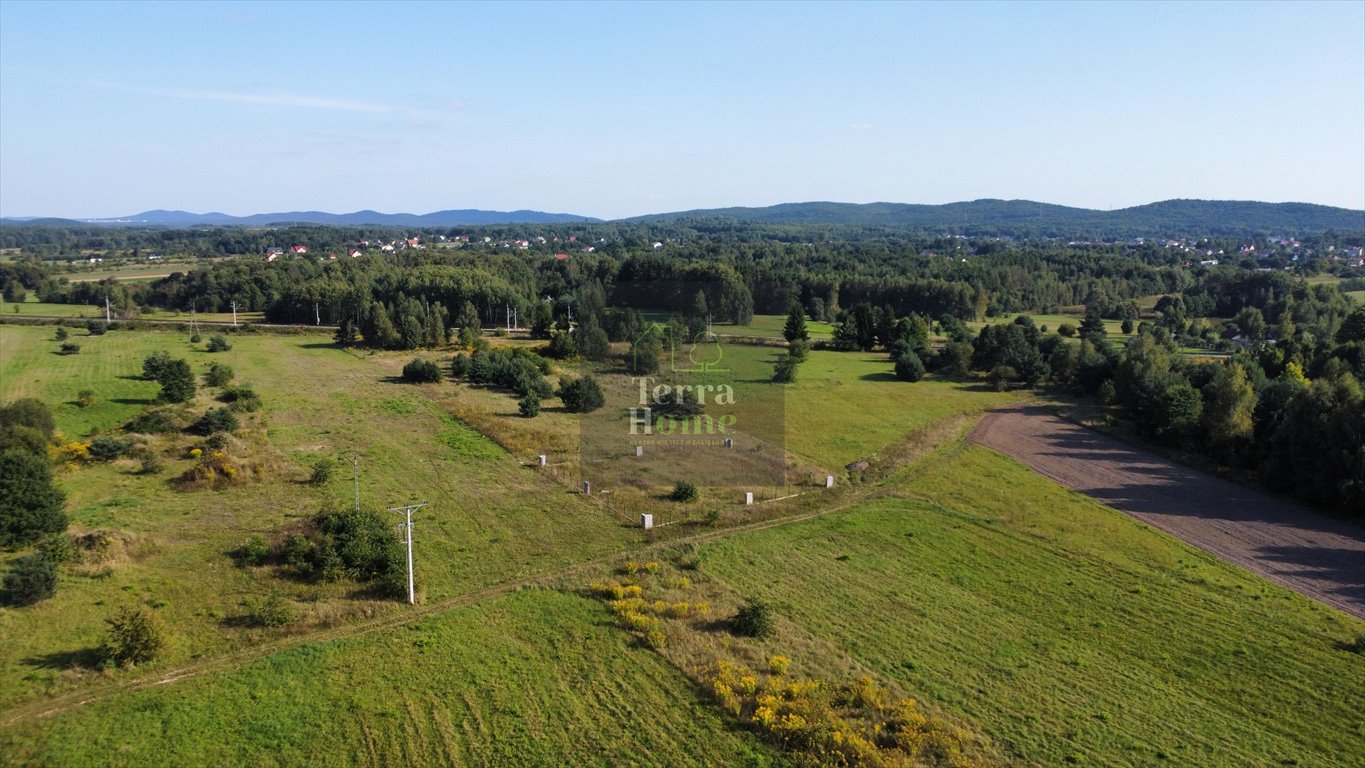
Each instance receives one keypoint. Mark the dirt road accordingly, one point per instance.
(1308, 552)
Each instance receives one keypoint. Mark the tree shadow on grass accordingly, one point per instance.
(82, 658)
(879, 376)
(132, 401)
(320, 345)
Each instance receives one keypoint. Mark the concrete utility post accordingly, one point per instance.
(234, 312)
(407, 511)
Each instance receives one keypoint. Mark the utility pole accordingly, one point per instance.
(407, 511)
(106, 308)
(355, 474)
(234, 312)
(317, 316)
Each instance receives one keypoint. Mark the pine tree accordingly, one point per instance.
(177, 382)
(795, 327)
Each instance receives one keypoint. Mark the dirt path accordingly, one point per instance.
(1308, 552)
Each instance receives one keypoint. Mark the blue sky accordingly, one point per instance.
(621, 109)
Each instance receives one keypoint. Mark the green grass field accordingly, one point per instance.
(1357, 296)
(490, 519)
(1068, 632)
(1064, 631)
(533, 678)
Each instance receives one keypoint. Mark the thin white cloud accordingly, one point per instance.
(277, 99)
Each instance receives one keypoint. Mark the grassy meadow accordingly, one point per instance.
(490, 519)
(1061, 631)
(1069, 633)
(535, 677)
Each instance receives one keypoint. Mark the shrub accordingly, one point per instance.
(214, 420)
(218, 375)
(195, 338)
(1066, 329)
(784, 371)
(240, 398)
(57, 547)
(30, 579)
(909, 367)
(156, 421)
(96, 327)
(529, 405)
(778, 664)
(70, 348)
(106, 448)
(1126, 326)
(582, 395)
(151, 463)
(273, 611)
(684, 492)
(218, 343)
(459, 366)
(136, 636)
(754, 619)
(322, 472)
(29, 412)
(85, 398)
(62, 334)
(561, 346)
(1000, 377)
(420, 371)
(254, 552)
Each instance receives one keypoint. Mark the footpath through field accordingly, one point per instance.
(1310, 553)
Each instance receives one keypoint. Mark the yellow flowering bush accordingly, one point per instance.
(778, 664)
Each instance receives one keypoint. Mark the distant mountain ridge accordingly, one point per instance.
(452, 218)
(1019, 218)
(1025, 217)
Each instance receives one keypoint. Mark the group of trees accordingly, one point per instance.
(1292, 412)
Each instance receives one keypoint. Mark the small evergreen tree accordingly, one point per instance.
(136, 636)
(784, 371)
(420, 371)
(218, 343)
(218, 375)
(30, 504)
(909, 367)
(177, 382)
(582, 395)
(795, 327)
(30, 579)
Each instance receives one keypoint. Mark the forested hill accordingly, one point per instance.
(1024, 218)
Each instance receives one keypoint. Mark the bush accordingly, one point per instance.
(909, 367)
(784, 372)
(254, 552)
(754, 619)
(29, 412)
(459, 366)
(214, 420)
(1066, 329)
(96, 327)
(322, 472)
(156, 421)
(62, 334)
(70, 348)
(218, 343)
(240, 398)
(195, 338)
(136, 636)
(529, 405)
(582, 395)
(85, 398)
(106, 448)
(151, 463)
(218, 375)
(684, 492)
(1000, 377)
(273, 611)
(420, 371)
(30, 579)
(1126, 326)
